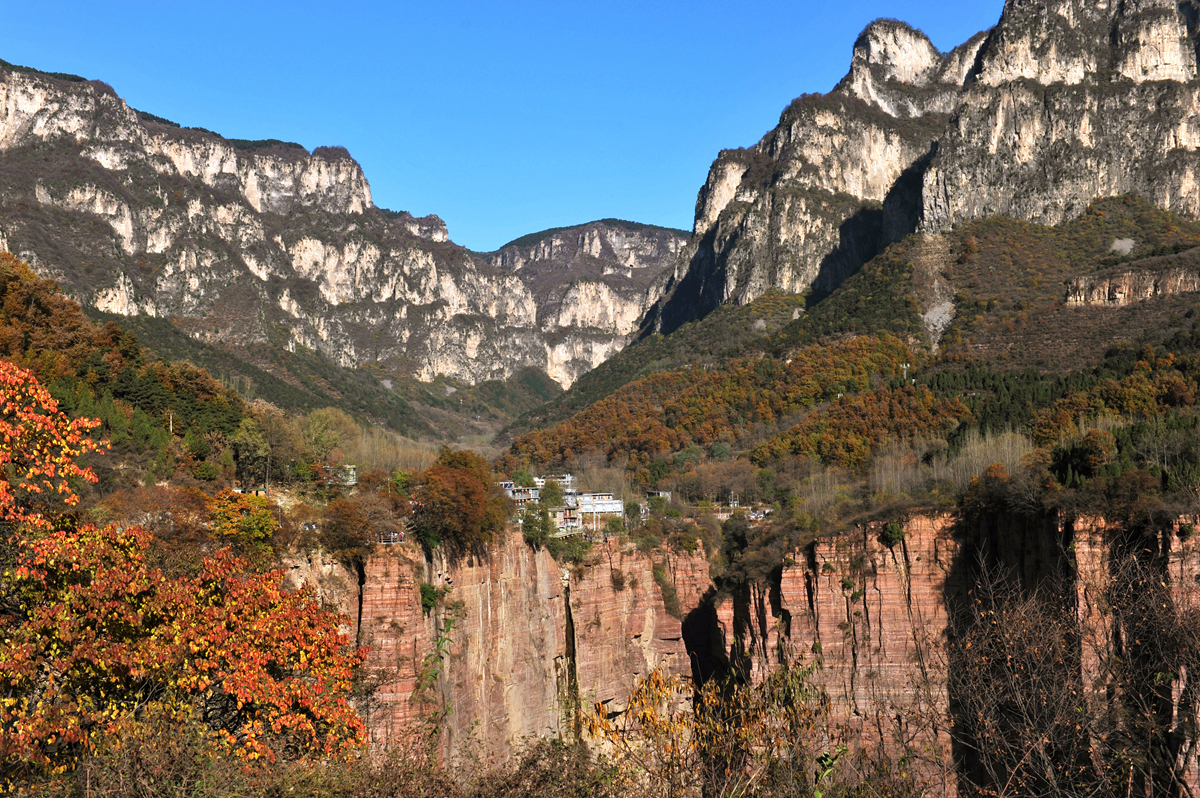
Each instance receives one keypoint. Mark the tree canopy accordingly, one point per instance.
(96, 637)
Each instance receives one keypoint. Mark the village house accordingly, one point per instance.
(578, 510)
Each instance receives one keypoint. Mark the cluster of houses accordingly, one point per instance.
(579, 512)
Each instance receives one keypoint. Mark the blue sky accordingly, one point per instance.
(503, 118)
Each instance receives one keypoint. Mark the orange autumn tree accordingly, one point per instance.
(95, 637)
(38, 451)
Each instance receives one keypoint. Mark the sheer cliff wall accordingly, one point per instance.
(519, 642)
(1061, 102)
(516, 643)
(528, 637)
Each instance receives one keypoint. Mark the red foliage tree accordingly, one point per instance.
(38, 451)
(456, 504)
(95, 636)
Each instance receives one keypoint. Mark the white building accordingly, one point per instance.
(520, 496)
(601, 503)
(565, 481)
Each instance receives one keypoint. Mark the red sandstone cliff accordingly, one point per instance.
(515, 656)
(875, 617)
(527, 637)
(523, 640)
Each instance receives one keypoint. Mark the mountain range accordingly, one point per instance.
(252, 244)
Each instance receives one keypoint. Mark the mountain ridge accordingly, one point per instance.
(250, 243)
(1058, 104)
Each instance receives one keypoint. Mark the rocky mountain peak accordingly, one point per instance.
(897, 69)
(900, 51)
(624, 246)
(1061, 102)
(602, 275)
(271, 176)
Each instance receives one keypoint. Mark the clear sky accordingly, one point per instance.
(503, 118)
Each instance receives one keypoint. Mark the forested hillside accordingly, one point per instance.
(857, 376)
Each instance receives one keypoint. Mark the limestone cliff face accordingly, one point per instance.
(522, 640)
(874, 616)
(1061, 102)
(593, 285)
(1123, 288)
(252, 242)
(828, 188)
(878, 619)
(1164, 275)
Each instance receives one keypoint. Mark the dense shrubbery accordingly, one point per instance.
(729, 738)
(102, 371)
(100, 641)
(171, 419)
(878, 299)
(853, 427)
(698, 343)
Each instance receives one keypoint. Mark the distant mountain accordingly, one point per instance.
(262, 243)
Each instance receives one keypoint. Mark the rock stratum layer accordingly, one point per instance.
(264, 242)
(1061, 102)
(1142, 279)
(519, 641)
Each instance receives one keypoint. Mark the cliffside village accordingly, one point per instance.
(586, 513)
(579, 512)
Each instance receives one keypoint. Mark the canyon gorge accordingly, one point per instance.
(244, 245)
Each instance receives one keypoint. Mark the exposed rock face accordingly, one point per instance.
(1073, 100)
(1144, 279)
(898, 70)
(878, 618)
(250, 242)
(829, 187)
(874, 616)
(526, 640)
(590, 282)
(1122, 288)
(1062, 102)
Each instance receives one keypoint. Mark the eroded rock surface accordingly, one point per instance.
(519, 642)
(1061, 102)
(254, 242)
(522, 641)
